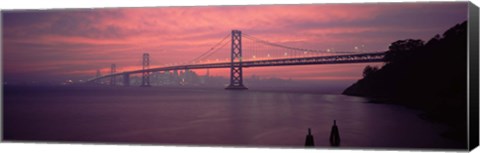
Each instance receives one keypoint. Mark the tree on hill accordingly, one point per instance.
(402, 49)
(369, 70)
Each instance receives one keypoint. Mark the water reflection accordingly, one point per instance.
(215, 117)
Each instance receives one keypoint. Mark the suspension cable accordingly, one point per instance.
(210, 50)
(286, 47)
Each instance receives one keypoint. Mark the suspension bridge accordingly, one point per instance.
(246, 51)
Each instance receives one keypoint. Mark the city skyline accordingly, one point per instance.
(55, 45)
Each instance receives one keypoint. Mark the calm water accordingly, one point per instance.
(211, 117)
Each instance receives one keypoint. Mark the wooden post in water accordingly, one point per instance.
(309, 139)
(334, 135)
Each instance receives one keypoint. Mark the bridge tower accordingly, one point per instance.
(98, 73)
(113, 80)
(126, 79)
(146, 75)
(236, 75)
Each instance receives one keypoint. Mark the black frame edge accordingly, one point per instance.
(473, 39)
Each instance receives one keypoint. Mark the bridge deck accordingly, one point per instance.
(337, 59)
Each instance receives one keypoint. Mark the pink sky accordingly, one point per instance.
(55, 45)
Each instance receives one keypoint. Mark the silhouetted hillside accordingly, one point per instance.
(431, 77)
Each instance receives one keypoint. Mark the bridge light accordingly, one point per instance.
(328, 50)
(254, 56)
(285, 54)
(356, 48)
(268, 55)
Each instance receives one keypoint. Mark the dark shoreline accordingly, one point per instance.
(427, 76)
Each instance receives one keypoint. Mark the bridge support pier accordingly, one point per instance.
(126, 80)
(236, 74)
(145, 74)
(113, 79)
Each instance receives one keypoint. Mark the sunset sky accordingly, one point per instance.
(56, 45)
